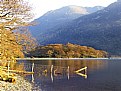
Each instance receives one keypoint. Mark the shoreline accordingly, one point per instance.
(68, 58)
(20, 85)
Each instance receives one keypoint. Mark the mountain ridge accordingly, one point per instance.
(58, 18)
(100, 30)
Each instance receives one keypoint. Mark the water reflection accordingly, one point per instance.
(61, 69)
(78, 72)
(61, 75)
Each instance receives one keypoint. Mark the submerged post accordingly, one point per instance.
(81, 69)
(51, 71)
(51, 76)
(51, 68)
(81, 74)
(33, 71)
(32, 67)
(68, 72)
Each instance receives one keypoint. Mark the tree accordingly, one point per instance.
(13, 15)
(24, 38)
(9, 48)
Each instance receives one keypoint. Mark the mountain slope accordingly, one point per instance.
(101, 30)
(56, 18)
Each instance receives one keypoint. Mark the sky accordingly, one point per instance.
(40, 7)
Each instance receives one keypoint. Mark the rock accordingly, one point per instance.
(20, 85)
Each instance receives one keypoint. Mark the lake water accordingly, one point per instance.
(60, 75)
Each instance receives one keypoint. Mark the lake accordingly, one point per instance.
(75, 75)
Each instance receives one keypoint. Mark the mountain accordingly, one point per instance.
(94, 9)
(58, 18)
(100, 30)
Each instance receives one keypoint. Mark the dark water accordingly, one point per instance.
(99, 76)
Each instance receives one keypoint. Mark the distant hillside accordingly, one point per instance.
(67, 51)
(100, 30)
(58, 18)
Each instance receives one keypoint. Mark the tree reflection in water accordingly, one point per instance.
(61, 69)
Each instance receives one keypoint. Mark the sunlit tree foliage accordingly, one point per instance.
(67, 51)
(13, 15)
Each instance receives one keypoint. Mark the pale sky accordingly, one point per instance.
(42, 6)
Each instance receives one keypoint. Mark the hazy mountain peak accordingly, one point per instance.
(69, 12)
(76, 9)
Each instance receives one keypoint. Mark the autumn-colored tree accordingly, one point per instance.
(13, 15)
(24, 38)
(67, 51)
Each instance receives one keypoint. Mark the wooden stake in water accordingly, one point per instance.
(51, 76)
(33, 71)
(52, 72)
(81, 74)
(68, 72)
(32, 67)
(81, 69)
(51, 68)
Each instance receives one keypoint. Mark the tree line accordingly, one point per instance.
(67, 51)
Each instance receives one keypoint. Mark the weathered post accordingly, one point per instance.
(32, 72)
(68, 72)
(51, 68)
(52, 73)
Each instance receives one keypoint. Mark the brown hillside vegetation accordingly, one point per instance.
(67, 51)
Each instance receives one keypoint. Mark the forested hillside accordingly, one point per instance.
(67, 51)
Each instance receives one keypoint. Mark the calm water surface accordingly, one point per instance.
(99, 76)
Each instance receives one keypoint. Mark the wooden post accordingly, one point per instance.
(33, 71)
(52, 73)
(68, 72)
(82, 69)
(32, 67)
(51, 68)
(51, 76)
(85, 73)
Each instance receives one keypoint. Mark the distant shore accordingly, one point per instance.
(67, 58)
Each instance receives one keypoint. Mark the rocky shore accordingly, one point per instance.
(20, 85)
